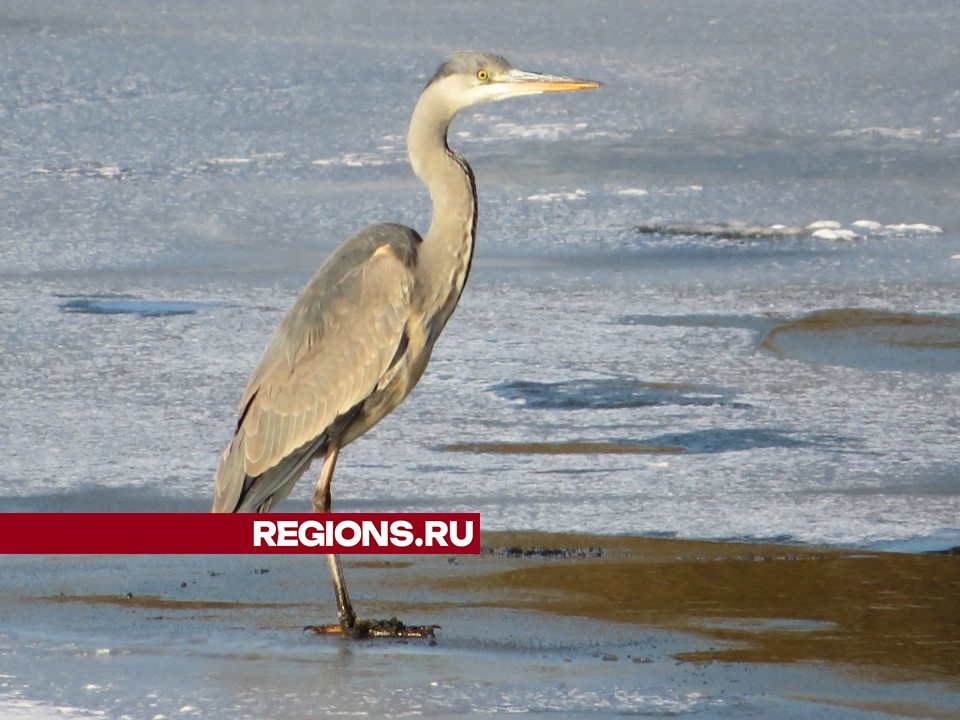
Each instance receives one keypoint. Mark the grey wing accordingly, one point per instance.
(327, 356)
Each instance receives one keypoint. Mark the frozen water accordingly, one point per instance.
(745, 245)
(170, 179)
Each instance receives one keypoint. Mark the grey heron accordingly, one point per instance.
(360, 334)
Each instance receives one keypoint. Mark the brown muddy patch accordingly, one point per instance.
(156, 602)
(871, 339)
(564, 448)
(896, 613)
(381, 564)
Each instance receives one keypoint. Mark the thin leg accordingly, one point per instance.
(349, 626)
(348, 618)
(322, 500)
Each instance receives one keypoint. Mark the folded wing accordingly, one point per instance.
(330, 352)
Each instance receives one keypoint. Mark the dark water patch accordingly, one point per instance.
(955, 551)
(755, 323)
(830, 230)
(703, 251)
(86, 170)
(609, 394)
(542, 553)
(870, 340)
(590, 469)
(937, 544)
(779, 539)
(712, 441)
(126, 305)
(103, 498)
(721, 440)
(721, 231)
(564, 448)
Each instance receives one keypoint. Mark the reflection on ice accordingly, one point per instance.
(713, 441)
(721, 440)
(757, 323)
(139, 187)
(609, 394)
(92, 169)
(871, 340)
(821, 229)
(126, 305)
(852, 337)
(722, 231)
(564, 448)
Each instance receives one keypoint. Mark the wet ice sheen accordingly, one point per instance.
(607, 394)
(634, 249)
(871, 340)
(488, 662)
(127, 305)
(170, 177)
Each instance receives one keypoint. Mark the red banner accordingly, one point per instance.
(241, 533)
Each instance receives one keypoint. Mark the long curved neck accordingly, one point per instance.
(443, 263)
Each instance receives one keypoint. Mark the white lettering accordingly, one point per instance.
(467, 533)
(402, 534)
(327, 534)
(341, 539)
(287, 532)
(370, 531)
(310, 534)
(434, 531)
(263, 532)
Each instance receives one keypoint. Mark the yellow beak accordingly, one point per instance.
(519, 82)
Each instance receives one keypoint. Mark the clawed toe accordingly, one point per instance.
(363, 629)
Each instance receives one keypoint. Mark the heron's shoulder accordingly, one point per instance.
(388, 233)
(400, 241)
(367, 282)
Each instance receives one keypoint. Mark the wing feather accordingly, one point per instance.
(327, 355)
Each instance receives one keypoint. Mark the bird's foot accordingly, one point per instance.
(363, 629)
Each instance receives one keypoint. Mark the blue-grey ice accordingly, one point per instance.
(171, 174)
(170, 178)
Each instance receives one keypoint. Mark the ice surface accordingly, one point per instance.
(170, 180)
(171, 175)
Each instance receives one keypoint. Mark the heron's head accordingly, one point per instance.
(467, 79)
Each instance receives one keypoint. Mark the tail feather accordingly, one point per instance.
(235, 491)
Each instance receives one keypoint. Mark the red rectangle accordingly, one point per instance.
(241, 533)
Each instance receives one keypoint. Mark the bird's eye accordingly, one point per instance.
(483, 75)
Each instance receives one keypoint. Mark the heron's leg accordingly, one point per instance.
(345, 613)
(322, 501)
(321, 491)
